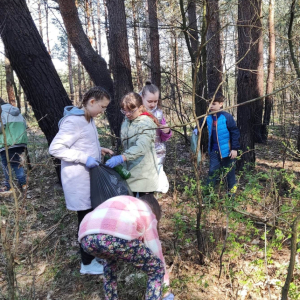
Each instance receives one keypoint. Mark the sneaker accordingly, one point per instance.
(93, 268)
(24, 187)
(5, 191)
(169, 297)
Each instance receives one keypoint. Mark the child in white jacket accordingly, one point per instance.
(77, 146)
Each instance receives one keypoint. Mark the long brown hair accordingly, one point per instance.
(151, 88)
(154, 205)
(96, 92)
(133, 100)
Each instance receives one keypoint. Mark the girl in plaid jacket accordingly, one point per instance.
(124, 228)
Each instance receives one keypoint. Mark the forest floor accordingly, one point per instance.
(48, 262)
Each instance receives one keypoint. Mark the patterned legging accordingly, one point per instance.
(114, 249)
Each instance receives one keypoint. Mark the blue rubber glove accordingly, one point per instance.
(195, 131)
(169, 297)
(114, 161)
(91, 162)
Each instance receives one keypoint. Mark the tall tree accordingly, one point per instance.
(154, 43)
(138, 64)
(259, 105)
(9, 82)
(120, 62)
(248, 81)
(214, 56)
(271, 73)
(94, 64)
(32, 63)
(99, 25)
(70, 71)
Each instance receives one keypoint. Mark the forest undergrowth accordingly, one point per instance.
(249, 236)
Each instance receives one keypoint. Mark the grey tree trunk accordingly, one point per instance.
(154, 43)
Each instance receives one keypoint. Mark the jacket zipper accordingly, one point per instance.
(218, 137)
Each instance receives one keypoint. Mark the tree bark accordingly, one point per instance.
(70, 71)
(259, 105)
(99, 25)
(193, 28)
(93, 63)
(32, 63)
(120, 62)
(40, 18)
(47, 26)
(271, 73)
(214, 56)
(154, 43)
(248, 85)
(139, 75)
(9, 82)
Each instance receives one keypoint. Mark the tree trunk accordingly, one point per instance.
(10, 82)
(154, 43)
(120, 62)
(47, 26)
(99, 25)
(40, 18)
(94, 27)
(201, 105)
(87, 11)
(139, 75)
(248, 85)
(79, 81)
(93, 63)
(271, 73)
(259, 105)
(214, 57)
(70, 71)
(32, 63)
(193, 28)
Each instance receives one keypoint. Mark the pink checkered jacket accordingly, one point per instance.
(127, 218)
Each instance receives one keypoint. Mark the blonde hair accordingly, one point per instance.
(97, 93)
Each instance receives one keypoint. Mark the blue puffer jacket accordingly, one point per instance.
(227, 133)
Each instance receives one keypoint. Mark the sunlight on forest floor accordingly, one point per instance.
(48, 263)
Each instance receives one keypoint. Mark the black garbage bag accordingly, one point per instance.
(105, 184)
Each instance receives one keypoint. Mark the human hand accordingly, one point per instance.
(91, 162)
(164, 128)
(195, 131)
(115, 161)
(233, 154)
(106, 151)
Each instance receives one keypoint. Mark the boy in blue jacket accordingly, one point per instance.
(223, 142)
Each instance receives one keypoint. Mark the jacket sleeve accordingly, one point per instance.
(68, 134)
(234, 133)
(151, 240)
(164, 136)
(144, 141)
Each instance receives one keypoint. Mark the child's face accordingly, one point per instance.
(133, 114)
(95, 107)
(215, 106)
(150, 100)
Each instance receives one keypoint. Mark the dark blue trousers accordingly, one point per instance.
(217, 166)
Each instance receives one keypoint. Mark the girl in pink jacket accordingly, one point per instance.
(150, 96)
(124, 229)
(77, 146)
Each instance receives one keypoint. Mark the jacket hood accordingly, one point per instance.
(12, 110)
(71, 111)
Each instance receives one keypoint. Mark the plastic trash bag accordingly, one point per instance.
(105, 184)
(194, 141)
